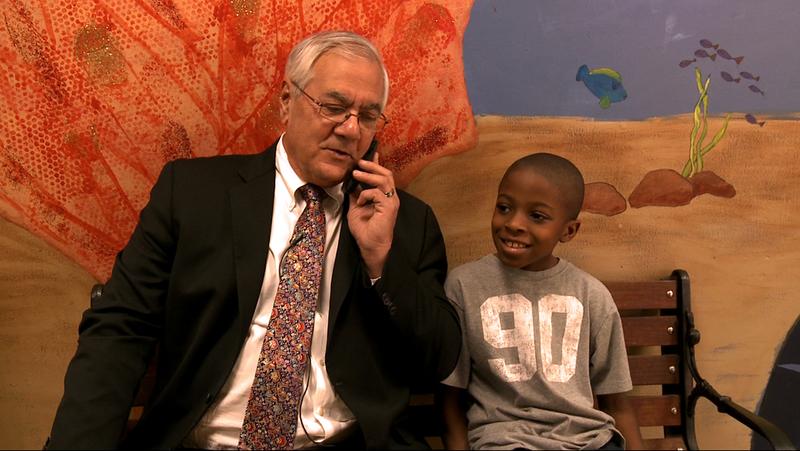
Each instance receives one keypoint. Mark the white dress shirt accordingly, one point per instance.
(324, 415)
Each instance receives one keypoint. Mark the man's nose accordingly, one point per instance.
(349, 128)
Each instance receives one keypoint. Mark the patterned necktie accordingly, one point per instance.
(270, 420)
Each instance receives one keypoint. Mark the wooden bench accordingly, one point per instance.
(660, 335)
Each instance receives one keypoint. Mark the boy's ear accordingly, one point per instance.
(570, 230)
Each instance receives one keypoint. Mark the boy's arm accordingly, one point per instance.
(451, 409)
(619, 406)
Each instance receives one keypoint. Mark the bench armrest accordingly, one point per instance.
(772, 433)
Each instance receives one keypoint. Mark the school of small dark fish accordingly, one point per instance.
(712, 52)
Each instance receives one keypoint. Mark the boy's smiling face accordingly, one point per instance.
(530, 218)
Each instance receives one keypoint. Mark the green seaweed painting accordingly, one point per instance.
(697, 148)
(667, 187)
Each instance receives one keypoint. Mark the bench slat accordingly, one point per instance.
(650, 330)
(655, 294)
(654, 369)
(657, 410)
(674, 443)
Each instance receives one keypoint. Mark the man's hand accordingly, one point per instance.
(373, 213)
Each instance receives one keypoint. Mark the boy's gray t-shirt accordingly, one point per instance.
(537, 347)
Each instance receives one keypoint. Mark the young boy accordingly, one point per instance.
(541, 337)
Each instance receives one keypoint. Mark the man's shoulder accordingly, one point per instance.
(414, 212)
(411, 201)
(214, 163)
(216, 170)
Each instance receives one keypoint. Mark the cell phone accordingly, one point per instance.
(350, 183)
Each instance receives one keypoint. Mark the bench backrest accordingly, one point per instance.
(653, 323)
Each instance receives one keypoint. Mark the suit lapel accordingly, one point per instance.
(251, 210)
(344, 269)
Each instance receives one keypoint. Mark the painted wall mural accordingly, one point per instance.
(98, 95)
(685, 122)
(684, 118)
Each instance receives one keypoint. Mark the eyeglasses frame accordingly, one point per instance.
(320, 105)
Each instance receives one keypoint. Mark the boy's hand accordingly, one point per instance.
(619, 406)
(449, 400)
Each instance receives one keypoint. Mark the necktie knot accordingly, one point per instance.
(311, 193)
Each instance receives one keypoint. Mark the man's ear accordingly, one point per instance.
(284, 97)
(570, 230)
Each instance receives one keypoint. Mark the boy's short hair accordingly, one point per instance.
(559, 171)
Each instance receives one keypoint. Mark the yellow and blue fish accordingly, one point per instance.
(604, 83)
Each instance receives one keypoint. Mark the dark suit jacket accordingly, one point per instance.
(189, 280)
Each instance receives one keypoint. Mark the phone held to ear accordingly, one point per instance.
(350, 183)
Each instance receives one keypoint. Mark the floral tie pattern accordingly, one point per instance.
(270, 420)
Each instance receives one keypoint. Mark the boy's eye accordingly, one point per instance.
(537, 216)
(502, 208)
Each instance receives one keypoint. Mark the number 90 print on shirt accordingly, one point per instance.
(523, 335)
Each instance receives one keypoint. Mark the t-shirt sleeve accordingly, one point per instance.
(459, 378)
(608, 365)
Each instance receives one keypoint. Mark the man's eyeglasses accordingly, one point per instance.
(339, 114)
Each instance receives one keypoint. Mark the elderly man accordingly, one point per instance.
(288, 312)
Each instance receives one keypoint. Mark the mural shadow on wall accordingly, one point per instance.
(781, 397)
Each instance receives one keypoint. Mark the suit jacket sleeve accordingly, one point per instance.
(117, 334)
(411, 290)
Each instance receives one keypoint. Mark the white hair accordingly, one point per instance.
(305, 54)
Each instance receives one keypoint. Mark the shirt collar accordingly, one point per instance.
(293, 182)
